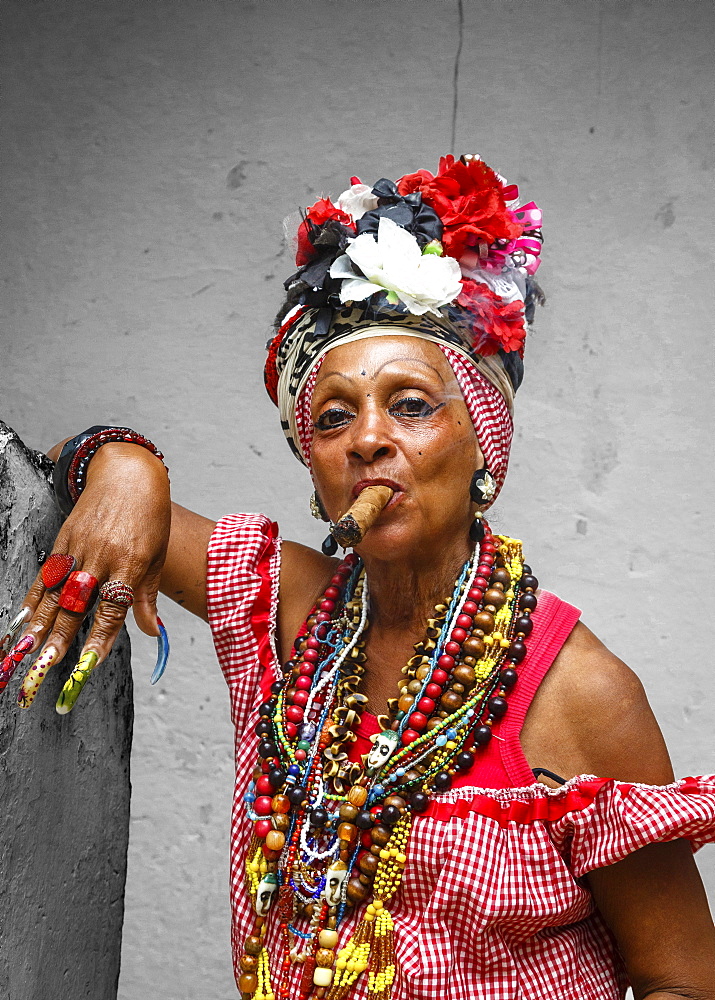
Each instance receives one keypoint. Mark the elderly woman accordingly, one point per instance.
(446, 786)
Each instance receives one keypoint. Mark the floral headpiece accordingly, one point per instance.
(423, 244)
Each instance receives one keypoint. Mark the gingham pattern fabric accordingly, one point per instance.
(491, 906)
(487, 408)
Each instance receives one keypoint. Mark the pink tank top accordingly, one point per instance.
(502, 764)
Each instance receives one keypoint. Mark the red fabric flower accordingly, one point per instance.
(496, 323)
(322, 211)
(469, 199)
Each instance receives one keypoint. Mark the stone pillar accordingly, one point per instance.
(64, 784)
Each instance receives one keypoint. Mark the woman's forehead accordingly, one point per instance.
(368, 357)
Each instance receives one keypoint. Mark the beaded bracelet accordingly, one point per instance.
(70, 473)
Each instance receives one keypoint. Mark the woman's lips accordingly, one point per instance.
(364, 483)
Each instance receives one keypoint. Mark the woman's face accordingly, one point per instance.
(388, 410)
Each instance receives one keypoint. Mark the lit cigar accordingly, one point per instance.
(351, 528)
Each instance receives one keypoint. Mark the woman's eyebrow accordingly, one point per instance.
(324, 375)
(414, 361)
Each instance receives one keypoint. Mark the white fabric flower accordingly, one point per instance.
(394, 263)
(357, 200)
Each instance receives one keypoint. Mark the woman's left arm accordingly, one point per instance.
(655, 904)
(653, 900)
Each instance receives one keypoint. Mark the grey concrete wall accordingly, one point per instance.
(64, 786)
(150, 152)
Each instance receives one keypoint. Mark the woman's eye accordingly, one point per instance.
(413, 406)
(335, 417)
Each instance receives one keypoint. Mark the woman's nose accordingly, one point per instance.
(370, 437)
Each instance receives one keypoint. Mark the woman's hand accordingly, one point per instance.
(118, 530)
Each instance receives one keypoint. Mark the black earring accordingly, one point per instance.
(483, 487)
(329, 546)
(476, 529)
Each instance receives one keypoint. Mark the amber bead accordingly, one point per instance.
(368, 864)
(275, 840)
(501, 576)
(395, 800)
(380, 835)
(422, 672)
(280, 804)
(248, 983)
(485, 621)
(357, 892)
(495, 597)
(473, 646)
(348, 812)
(347, 831)
(414, 687)
(249, 963)
(357, 795)
(324, 958)
(450, 701)
(281, 822)
(253, 945)
(406, 702)
(464, 675)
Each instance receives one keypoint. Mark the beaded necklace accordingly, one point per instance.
(329, 833)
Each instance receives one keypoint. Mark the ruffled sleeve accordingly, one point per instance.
(622, 818)
(242, 597)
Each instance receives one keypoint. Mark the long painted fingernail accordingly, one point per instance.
(35, 676)
(16, 655)
(76, 681)
(162, 652)
(14, 627)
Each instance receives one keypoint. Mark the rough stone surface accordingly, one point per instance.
(64, 785)
(150, 151)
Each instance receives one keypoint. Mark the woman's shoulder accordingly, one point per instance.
(592, 712)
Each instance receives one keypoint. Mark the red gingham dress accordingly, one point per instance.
(493, 903)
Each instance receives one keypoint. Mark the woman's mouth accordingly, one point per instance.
(364, 483)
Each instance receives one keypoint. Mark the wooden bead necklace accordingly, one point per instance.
(330, 833)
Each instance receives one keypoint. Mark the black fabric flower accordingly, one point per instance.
(407, 211)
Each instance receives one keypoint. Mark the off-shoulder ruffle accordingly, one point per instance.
(594, 822)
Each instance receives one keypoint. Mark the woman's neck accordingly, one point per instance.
(403, 594)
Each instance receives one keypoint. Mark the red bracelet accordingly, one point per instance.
(77, 472)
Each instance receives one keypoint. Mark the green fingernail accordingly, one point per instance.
(76, 681)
